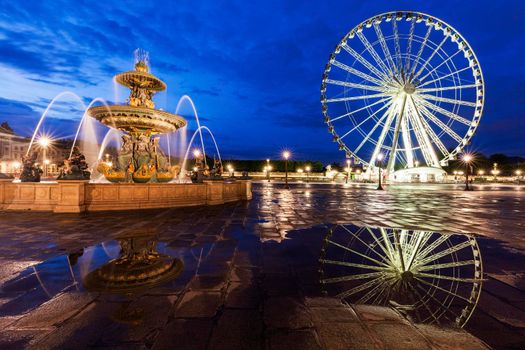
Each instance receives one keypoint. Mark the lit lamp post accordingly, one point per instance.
(46, 163)
(44, 142)
(347, 170)
(467, 158)
(518, 174)
(380, 160)
(268, 169)
(495, 171)
(307, 169)
(300, 171)
(230, 169)
(286, 155)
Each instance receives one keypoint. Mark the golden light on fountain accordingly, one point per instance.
(140, 158)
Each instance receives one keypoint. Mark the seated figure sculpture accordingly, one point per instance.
(75, 168)
(30, 172)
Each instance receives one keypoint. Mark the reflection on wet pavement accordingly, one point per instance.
(266, 274)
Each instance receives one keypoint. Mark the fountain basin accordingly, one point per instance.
(80, 196)
(130, 118)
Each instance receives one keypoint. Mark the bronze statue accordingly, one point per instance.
(75, 168)
(30, 172)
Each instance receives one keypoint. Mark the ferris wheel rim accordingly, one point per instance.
(470, 296)
(434, 24)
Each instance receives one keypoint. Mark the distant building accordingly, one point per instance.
(13, 147)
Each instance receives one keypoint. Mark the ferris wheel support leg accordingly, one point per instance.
(427, 144)
(392, 157)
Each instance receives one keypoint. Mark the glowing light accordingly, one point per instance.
(481, 172)
(380, 157)
(195, 168)
(307, 169)
(518, 172)
(110, 164)
(16, 164)
(467, 158)
(300, 170)
(196, 153)
(286, 154)
(44, 141)
(46, 161)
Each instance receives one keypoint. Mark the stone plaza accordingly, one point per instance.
(251, 274)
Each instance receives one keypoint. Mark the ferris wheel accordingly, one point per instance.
(428, 276)
(404, 87)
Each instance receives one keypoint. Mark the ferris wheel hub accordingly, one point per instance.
(409, 88)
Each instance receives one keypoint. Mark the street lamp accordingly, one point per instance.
(380, 159)
(347, 170)
(44, 142)
(268, 169)
(518, 174)
(307, 169)
(286, 155)
(481, 172)
(46, 163)
(230, 169)
(300, 171)
(467, 158)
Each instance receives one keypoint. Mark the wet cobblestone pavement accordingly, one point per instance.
(250, 277)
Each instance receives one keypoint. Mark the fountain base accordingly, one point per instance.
(79, 196)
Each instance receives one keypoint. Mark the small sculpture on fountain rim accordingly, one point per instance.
(76, 167)
(30, 172)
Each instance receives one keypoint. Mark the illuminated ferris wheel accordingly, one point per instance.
(405, 87)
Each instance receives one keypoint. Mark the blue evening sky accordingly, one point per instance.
(253, 68)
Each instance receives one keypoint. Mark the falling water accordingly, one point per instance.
(48, 108)
(199, 130)
(113, 137)
(190, 101)
(88, 134)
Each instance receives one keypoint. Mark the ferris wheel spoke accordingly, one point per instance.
(357, 253)
(365, 120)
(434, 137)
(366, 245)
(347, 264)
(355, 86)
(424, 302)
(446, 265)
(385, 249)
(415, 248)
(447, 278)
(436, 50)
(444, 307)
(399, 119)
(355, 98)
(421, 48)
(364, 62)
(447, 100)
(443, 253)
(352, 277)
(409, 44)
(443, 290)
(432, 246)
(387, 114)
(407, 142)
(384, 47)
(358, 73)
(361, 109)
(360, 288)
(396, 45)
(375, 291)
(439, 65)
(374, 54)
(440, 124)
(443, 111)
(425, 145)
(468, 86)
(444, 76)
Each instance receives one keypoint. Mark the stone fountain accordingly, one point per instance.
(140, 158)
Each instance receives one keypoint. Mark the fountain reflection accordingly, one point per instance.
(427, 276)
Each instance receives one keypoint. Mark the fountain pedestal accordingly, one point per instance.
(72, 194)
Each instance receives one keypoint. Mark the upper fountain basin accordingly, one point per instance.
(141, 79)
(130, 118)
